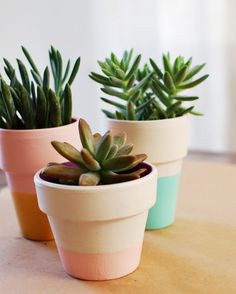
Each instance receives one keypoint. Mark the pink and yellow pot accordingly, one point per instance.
(165, 143)
(98, 229)
(22, 153)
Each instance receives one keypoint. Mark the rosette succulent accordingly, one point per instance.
(102, 160)
(31, 103)
(148, 92)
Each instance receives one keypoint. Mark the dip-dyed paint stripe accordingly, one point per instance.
(162, 214)
(101, 266)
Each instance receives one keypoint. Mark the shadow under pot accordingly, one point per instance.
(22, 154)
(165, 143)
(98, 230)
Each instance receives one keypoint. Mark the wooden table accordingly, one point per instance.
(196, 255)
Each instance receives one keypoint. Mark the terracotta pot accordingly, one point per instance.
(165, 143)
(98, 229)
(22, 153)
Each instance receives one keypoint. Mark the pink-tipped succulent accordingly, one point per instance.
(103, 160)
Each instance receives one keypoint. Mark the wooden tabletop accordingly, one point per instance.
(195, 255)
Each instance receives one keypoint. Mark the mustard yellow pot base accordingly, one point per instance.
(33, 223)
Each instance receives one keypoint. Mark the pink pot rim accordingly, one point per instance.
(16, 132)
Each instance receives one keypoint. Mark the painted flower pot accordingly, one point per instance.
(22, 153)
(165, 143)
(98, 229)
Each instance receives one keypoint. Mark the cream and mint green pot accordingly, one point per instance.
(165, 143)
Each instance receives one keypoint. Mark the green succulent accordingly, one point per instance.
(147, 93)
(120, 80)
(102, 160)
(167, 84)
(31, 103)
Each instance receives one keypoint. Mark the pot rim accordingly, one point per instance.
(148, 121)
(39, 181)
(28, 131)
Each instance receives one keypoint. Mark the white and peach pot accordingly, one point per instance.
(22, 154)
(165, 143)
(98, 230)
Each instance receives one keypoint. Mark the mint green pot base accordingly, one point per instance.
(162, 214)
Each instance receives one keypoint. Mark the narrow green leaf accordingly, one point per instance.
(172, 108)
(193, 83)
(116, 104)
(167, 65)
(41, 108)
(140, 85)
(196, 69)
(196, 113)
(74, 71)
(9, 103)
(185, 98)
(169, 83)
(130, 82)
(113, 92)
(54, 109)
(119, 115)
(46, 80)
(100, 79)
(180, 75)
(159, 93)
(134, 67)
(67, 105)
(24, 75)
(115, 82)
(109, 114)
(131, 115)
(185, 111)
(114, 59)
(30, 60)
(37, 78)
(27, 113)
(66, 72)
(156, 68)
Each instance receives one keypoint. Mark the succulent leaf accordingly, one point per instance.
(89, 179)
(125, 149)
(68, 151)
(103, 147)
(103, 167)
(120, 139)
(113, 178)
(89, 161)
(62, 172)
(86, 135)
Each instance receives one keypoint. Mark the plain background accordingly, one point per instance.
(91, 29)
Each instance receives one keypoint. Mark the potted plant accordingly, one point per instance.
(31, 115)
(150, 109)
(97, 204)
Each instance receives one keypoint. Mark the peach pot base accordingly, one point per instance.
(33, 223)
(100, 266)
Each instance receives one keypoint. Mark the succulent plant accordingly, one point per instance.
(120, 81)
(147, 93)
(167, 85)
(31, 104)
(103, 160)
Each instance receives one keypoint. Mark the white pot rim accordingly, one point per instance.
(159, 121)
(40, 182)
(17, 132)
